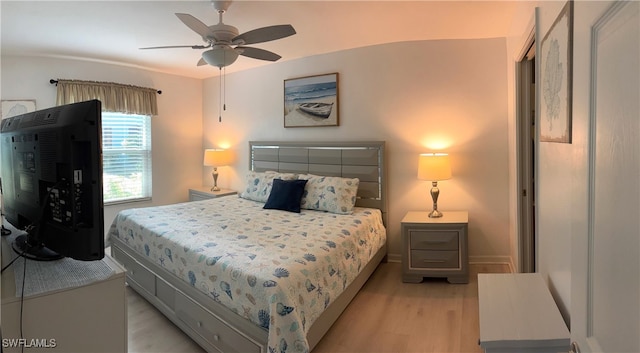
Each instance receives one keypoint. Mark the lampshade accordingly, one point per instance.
(217, 157)
(434, 166)
(220, 56)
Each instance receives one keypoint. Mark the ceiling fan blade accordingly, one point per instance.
(264, 34)
(179, 46)
(195, 24)
(201, 62)
(258, 53)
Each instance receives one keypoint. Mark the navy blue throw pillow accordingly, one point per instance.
(286, 195)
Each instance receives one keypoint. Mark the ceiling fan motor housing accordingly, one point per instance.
(221, 33)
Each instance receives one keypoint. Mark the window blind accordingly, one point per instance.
(126, 152)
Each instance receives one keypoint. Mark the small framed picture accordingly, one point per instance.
(311, 101)
(17, 107)
(556, 74)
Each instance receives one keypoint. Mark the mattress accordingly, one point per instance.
(278, 269)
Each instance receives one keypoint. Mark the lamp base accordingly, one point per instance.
(215, 179)
(434, 196)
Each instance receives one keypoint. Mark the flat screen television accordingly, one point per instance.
(52, 181)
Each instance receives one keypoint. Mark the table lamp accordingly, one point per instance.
(434, 167)
(216, 158)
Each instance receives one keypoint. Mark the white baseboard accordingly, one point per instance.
(493, 260)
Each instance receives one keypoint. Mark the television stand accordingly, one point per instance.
(87, 318)
(23, 244)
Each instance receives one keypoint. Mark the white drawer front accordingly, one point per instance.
(213, 330)
(434, 239)
(194, 196)
(435, 259)
(136, 272)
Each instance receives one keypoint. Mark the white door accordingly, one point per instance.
(605, 291)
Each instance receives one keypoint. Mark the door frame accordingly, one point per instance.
(525, 159)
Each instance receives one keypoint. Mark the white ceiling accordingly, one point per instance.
(112, 31)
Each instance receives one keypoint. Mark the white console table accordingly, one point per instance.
(518, 315)
(86, 318)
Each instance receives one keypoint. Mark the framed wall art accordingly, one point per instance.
(556, 54)
(311, 101)
(16, 107)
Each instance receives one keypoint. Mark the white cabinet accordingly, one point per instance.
(91, 317)
(518, 314)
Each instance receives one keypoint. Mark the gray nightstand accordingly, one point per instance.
(204, 193)
(435, 247)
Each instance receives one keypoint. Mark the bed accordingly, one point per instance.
(237, 277)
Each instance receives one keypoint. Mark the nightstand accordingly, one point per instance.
(204, 193)
(435, 247)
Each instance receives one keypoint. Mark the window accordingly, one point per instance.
(126, 157)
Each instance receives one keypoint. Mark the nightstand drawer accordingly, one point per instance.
(198, 196)
(434, 240)
(434, 259)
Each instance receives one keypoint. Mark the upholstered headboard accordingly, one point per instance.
(362, 160)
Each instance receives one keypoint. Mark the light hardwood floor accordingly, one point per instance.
(386, 316)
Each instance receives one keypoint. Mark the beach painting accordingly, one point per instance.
(311, 101)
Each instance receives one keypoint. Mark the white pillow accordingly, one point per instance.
(258, 184)
(331, 194)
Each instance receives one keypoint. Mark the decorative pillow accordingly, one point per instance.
(331, 194)
(286, 195)
(258, 184)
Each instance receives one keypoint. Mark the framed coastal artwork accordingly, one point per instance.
(311, 101)
(17, 107)
(556, 53)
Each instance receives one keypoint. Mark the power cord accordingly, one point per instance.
(24, 277)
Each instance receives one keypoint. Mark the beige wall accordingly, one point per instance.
(553, 172)
(418, 97)
(554, 198)
(554, 180)
(176, 130)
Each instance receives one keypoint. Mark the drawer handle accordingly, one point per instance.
(132, 272)
(199, 323)
(216, 338)
(433, 261)
(436, 241)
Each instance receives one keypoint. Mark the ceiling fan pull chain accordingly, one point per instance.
(220, 101)
(224, 77)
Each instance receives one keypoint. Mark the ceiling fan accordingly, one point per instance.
(226, 42)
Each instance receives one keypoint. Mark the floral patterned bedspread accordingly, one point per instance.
(278, 269)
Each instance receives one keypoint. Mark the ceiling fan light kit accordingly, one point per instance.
(220, 56)
(222, 38)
